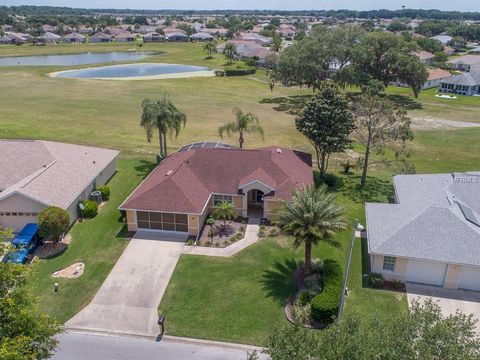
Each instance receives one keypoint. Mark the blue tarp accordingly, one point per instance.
(29, 229)
(27, 236)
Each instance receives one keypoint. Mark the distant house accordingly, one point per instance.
(177, 37)
(435, 77)
(18, 38)
(431, 234)
(464, 84)
(125, 37)
(475, 50)
(153, 37)
(255, 38)
(217, 31)
(464, 63)
(425, 57)
(37, 174)
(444, 39)
(100, 37)
(74, 38)
(449, 50)
(202, 37)
(49, 28)
(5, 40)
(50, 38)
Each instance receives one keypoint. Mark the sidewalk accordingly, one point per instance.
(251, 237)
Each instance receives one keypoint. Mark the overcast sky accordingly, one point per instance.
(460, 5)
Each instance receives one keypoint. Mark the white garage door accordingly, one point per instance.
(470, 278)
(426, 272)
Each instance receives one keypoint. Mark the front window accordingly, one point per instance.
(218, 199)
(389, 263)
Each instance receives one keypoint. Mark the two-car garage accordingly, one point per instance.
(162, 221)
(469, 278)
(426, 272)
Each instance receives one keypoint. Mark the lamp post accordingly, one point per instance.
(356, 227)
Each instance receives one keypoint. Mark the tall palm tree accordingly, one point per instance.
(210, 47)
(243, 124)
(230, 52)
(163, 116)
(311, 216)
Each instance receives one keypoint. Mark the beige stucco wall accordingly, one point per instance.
(193, 225)
(398, 273)
(131, 218)
(18, 204)
(453, 276)
(270, 207)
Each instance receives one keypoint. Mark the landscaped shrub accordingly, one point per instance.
(396, 284)
(219, 73)
(261, 234)
(190, 242)
(240, 72)
(313, 284)
(375, 280)
(325, 305)
(53, 222)
(105, 190)
(330, 180)
(274, 232)
(304, 297)
(90, 209)
(239, 235)
(241, 229)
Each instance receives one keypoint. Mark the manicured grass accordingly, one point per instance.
(97, 242)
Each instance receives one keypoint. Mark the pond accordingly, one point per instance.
(138, 71)
(72, 59)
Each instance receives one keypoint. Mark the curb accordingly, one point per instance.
(168, 338)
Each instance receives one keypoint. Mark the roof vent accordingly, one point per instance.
(169, 172)
(279, 151)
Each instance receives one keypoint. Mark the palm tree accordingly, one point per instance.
(163, 116)
(225, 211)
(310, 217)
(210, 47)
(230, 52)
(243, 124)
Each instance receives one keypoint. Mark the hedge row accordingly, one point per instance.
(325, 305)
(240, 72)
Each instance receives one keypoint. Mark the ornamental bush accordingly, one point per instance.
(375, 280)
(53, 222)
(325, 305)
(240, 72)
(90, 210)
(105, 190)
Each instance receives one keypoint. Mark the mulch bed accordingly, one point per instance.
(221, 233)
(50, 249)
(388, 285)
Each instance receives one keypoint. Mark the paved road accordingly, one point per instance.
(77, 346)
(449, 301)
(128, 299)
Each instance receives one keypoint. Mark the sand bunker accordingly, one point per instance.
(71, 272)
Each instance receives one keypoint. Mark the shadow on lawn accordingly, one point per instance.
(279, 282)
(145, 168)
(289, 104)
(375, 189)
(405, 102)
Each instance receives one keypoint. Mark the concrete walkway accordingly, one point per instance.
(128, 299)
(251, 237)
(449, 300)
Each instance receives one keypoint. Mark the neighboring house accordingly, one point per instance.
(99, 37)
(475, 50)
(444, 39)
(18, 38)
(247, 50)
(217, 31)
(49, 28)
(431, 235)
(448, 50)
(50, 38)
(125, 37)
(153, 37)
(74, 38)
(177, 37)
(201, 36)
(35, 174)
(425, 57)
(435, 78)
(187, 186)
(464, 63)
(5, 40)
(464, 84)
(255, 38)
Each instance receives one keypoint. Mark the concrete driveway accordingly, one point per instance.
(128, 299)
(449, 300)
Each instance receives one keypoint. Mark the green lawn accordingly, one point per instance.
(98, 243)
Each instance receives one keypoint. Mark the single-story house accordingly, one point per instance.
(463, 84)
(188, 185)
(74, 38)
(255, 38)
(100, 37)
(153, 37)
(475, 50)
(35, 174)
(247, 50)
(431, 235)
(5, 40)
(202, 37)
(50, 38)
(18, 38)
(425, 57)
(444, 39)
(125, 37)
(435, 77)
(464, 63)
(177, 37)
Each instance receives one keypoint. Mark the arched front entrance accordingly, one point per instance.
(255, 204)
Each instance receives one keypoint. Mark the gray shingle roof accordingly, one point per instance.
(434, 219)
(471, 78)
(49, 172)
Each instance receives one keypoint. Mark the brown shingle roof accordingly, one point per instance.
(184, 181)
